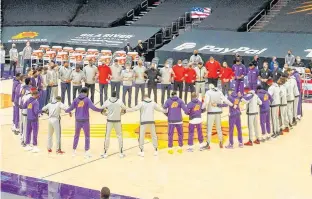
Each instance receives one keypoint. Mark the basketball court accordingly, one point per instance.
(280, 168)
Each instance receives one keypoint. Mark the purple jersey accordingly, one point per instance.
(32, 106)
(82, 104)
(15, 83)
(253, 75)
(174, 106)
(239, 70)
(194, 108)
(266, 99)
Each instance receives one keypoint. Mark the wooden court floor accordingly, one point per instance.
(278, 169)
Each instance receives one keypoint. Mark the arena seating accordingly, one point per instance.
(169, 11)
(102, 13)
(39, 12)
(290, 19)
(231, 14)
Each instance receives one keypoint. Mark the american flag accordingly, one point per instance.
(198, 12)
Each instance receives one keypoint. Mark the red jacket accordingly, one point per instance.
(178, 73)
(189, 75)
(104, 74)
(213, 69)
(226, 73)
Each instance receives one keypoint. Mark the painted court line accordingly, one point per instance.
(80, 165)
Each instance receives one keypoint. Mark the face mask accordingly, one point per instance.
(289, 53)
(179, 64)
(195, 54)
(298, 60)
(211, 61)
(167, 65)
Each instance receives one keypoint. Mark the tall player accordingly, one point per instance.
(147, 108)
(82, 104)
(175, 105)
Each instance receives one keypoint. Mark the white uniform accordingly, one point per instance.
(114, 107)
(275, 92)
(297, 94)
(291, 86)
(52, 79)
(283, 107)
(54, 109)
(214, 96)
(23, 116)
(201, 73)
(147, 108)
(252, 114)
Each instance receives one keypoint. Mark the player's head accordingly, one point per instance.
(194, 95)
(84, 90)
(145, 96)
(35, 93)
(27, 81)
(18, 76)
(251, 65)
(200, 64)
(114, 94)
(211, 86)
(58, 98)
(259, 87)
(105, 193)
(173, 94)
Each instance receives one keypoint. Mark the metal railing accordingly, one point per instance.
(130, 13)
(264, 12)
(144, 4)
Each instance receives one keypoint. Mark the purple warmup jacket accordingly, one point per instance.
(266, 99)
(39, 82)
(33, 82)
(297, 77)
(82, 104)
(15, 83)
(235, 99)
(174, 106)
(239, 70)
(33, 110)
(253, 75)
(194, 108)
(17, 94)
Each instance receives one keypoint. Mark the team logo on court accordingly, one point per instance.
(24, 35)
(80, 104)
(29, 106)
(197, 107)
(174, 105)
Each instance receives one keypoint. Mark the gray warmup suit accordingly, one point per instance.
(275, 92)
(114, 107)
(147, 108)
(115, 79)
(252, 114)
(214, 112)
(139, 82)
(283, 107)
(52, 78)
(165, 83)
(54, 109)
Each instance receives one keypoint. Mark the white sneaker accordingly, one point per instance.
(105, 155)
(28, 148)
(35, 149)
(299, 117)
(156, 153)
(121, 155)
(87, 154)
(74, 153)
(141, 153)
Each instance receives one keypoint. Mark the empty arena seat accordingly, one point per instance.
(295, 17)
(39, 12)
(101, 13)
(231, 14)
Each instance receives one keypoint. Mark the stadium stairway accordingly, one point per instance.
(267, 16)
(142, 12)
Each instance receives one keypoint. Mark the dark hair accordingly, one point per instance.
(105, 193)
(173, 93)
(27, 81)
(84, 90)
(251, 64)
(114, 94)
(259, 87)
(18, 75)
(58, 98)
